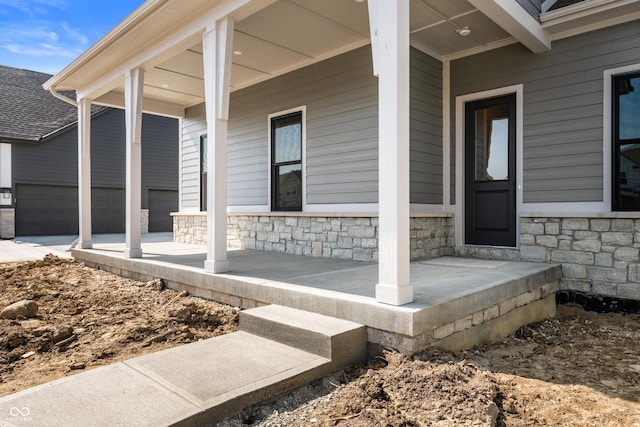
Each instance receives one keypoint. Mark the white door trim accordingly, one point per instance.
(460, 153)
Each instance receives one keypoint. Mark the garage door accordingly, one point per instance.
(43, 210)
(161, 204)
(46, 210)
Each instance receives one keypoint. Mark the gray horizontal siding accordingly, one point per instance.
(193, 126)
(341, 100)
(55, 161)
(563, 110)
(340, 96)
(426, 129)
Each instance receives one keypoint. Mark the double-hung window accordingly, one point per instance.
(286, 162)
(626, 142)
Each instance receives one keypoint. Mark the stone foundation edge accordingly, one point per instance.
(481, 327)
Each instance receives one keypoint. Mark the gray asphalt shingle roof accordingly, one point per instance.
(27, 111)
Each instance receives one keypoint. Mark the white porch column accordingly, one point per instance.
(389, 21)
(133, 86)
(217, 45)
(84, 173)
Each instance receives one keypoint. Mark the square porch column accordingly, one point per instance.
(133, 88)
(217, 45)
(389, 22)
(84, 174)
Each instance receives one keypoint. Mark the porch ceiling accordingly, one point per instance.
(290, 34)
(271, 38)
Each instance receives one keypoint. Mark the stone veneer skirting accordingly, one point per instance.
(599, 253)
(340, 237)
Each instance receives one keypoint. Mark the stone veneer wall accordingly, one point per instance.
(190, 228)
(144, 221)
(7, 223)
(342, 237)
(599, 255)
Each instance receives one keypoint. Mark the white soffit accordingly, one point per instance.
(281, 37)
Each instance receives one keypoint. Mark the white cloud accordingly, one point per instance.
(30, 30)
(41, 50)
(75, 34)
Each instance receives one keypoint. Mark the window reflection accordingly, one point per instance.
(627, 143)
(492, 143)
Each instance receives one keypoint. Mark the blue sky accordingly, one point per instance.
(46, 35)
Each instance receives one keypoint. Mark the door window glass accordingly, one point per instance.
(492, 143)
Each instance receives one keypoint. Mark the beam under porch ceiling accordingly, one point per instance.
(515, 20)
(149, 105)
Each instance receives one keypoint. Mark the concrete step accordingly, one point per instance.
(341, 341)
(194, 384)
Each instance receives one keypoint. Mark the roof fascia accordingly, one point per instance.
(7, 140)
(580, 10)
(596, 26)
(138, 15)
(515, 20)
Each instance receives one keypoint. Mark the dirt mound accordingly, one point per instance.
(580, 369)
(88, 318)
(402, 391)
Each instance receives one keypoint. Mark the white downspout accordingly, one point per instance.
(61, 97)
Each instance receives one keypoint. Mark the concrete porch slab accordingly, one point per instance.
(451, 294)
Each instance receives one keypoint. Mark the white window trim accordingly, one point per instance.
(248, 209)
(301, 109)
(6, 199)
(460, 188)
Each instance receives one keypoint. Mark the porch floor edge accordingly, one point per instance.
(453, 296)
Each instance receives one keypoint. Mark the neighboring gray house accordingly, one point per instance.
(503, 129)
(39, 163)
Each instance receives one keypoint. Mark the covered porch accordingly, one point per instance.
(458, 302)
(167, 57)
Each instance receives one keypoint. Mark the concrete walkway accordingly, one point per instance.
(36, 247)
(16, 250)
(458, 303)
(276, 349)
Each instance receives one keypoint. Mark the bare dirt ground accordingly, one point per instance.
(580, 369)
(88, 318)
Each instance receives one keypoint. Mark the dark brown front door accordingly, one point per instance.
(490, 172)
